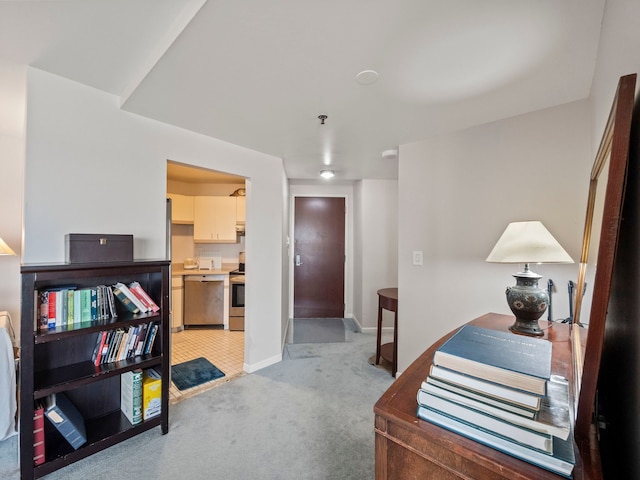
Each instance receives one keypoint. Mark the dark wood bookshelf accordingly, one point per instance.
(58, 360)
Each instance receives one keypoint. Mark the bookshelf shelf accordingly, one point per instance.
(81, 329)
(59, 360)
(78, 374)
(102, 433)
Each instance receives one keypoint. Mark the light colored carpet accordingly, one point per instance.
(309, 417)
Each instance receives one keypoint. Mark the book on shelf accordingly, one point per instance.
(552, 419)
(143, 296)
(125, 300)
(43, 309)
(130, 295)
(561, 461)
(97, 354)
(131, 395)
(151, 393)
(151, 337)
(64, 415)
(499, 392)
(70, 306)
(482, 420)
(77, 306)
(123, 343)
(85, 305)
(516, 361)
(38, 433)
(142, 335)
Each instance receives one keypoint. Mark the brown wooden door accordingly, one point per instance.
(319, 255)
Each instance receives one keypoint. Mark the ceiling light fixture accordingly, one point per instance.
(367, 77)
(327, 173)
(388, 154)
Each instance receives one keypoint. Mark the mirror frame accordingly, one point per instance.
(614, 147)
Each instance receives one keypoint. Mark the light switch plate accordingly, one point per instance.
(417, 257)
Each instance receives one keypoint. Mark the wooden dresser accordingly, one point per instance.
(410, 448)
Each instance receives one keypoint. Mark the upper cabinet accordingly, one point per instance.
(214, 219)
(241, 203)
(181, 208)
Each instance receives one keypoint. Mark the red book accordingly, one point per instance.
(144, 297)
(99, 350)
(52, 309)
(38, 435)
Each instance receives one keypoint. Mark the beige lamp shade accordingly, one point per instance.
(4, 248)
(528, 242)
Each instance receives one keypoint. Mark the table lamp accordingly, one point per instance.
(4, 248)
(527, 242)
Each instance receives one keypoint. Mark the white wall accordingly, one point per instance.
(12, 114)
(376, 252)
(458, 192)
(618, 55)
(93, 168)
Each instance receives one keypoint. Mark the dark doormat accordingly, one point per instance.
(194, 372)
(322, 330)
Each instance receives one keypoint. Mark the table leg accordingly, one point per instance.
(379, 331)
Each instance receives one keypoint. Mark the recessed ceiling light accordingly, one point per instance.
(327, 173)
(367, 77)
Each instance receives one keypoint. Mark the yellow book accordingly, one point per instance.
(151, 394)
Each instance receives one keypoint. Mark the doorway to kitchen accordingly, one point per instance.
(206, 242)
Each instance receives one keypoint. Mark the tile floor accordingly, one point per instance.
(223, 348)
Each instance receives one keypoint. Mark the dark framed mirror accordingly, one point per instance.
(600, 240)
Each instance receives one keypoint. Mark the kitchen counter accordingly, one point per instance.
(177, 269)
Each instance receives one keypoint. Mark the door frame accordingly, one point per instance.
(346, 192)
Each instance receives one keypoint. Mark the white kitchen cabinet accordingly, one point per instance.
(241, 204)
(177, 291)
(214, 219)
(181, 208)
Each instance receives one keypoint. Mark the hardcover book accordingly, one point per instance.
(38, 434)
(482, 387)
(516, 361)
(552, 419)
(561, 461)
(126, 301)
(455, 390)
(131, 395)
(64, 415)
(482, 420)
(137, 290)
(151, 393)
(129, 294)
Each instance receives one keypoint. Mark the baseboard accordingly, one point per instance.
(375, 329)
(263, 364)
(355, 319)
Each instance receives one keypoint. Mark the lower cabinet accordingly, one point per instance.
(75, 363)
(177, 303)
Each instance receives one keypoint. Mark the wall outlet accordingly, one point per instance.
(417, 257)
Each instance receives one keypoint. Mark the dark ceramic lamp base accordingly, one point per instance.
(528, 303)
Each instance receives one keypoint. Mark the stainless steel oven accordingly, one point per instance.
(236, 300)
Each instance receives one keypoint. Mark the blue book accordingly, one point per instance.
(515, 361)
(64, 415)
(561, 461)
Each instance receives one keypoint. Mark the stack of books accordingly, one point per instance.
(69, 306)
(496, 388)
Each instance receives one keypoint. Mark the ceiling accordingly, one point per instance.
(258, 74)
